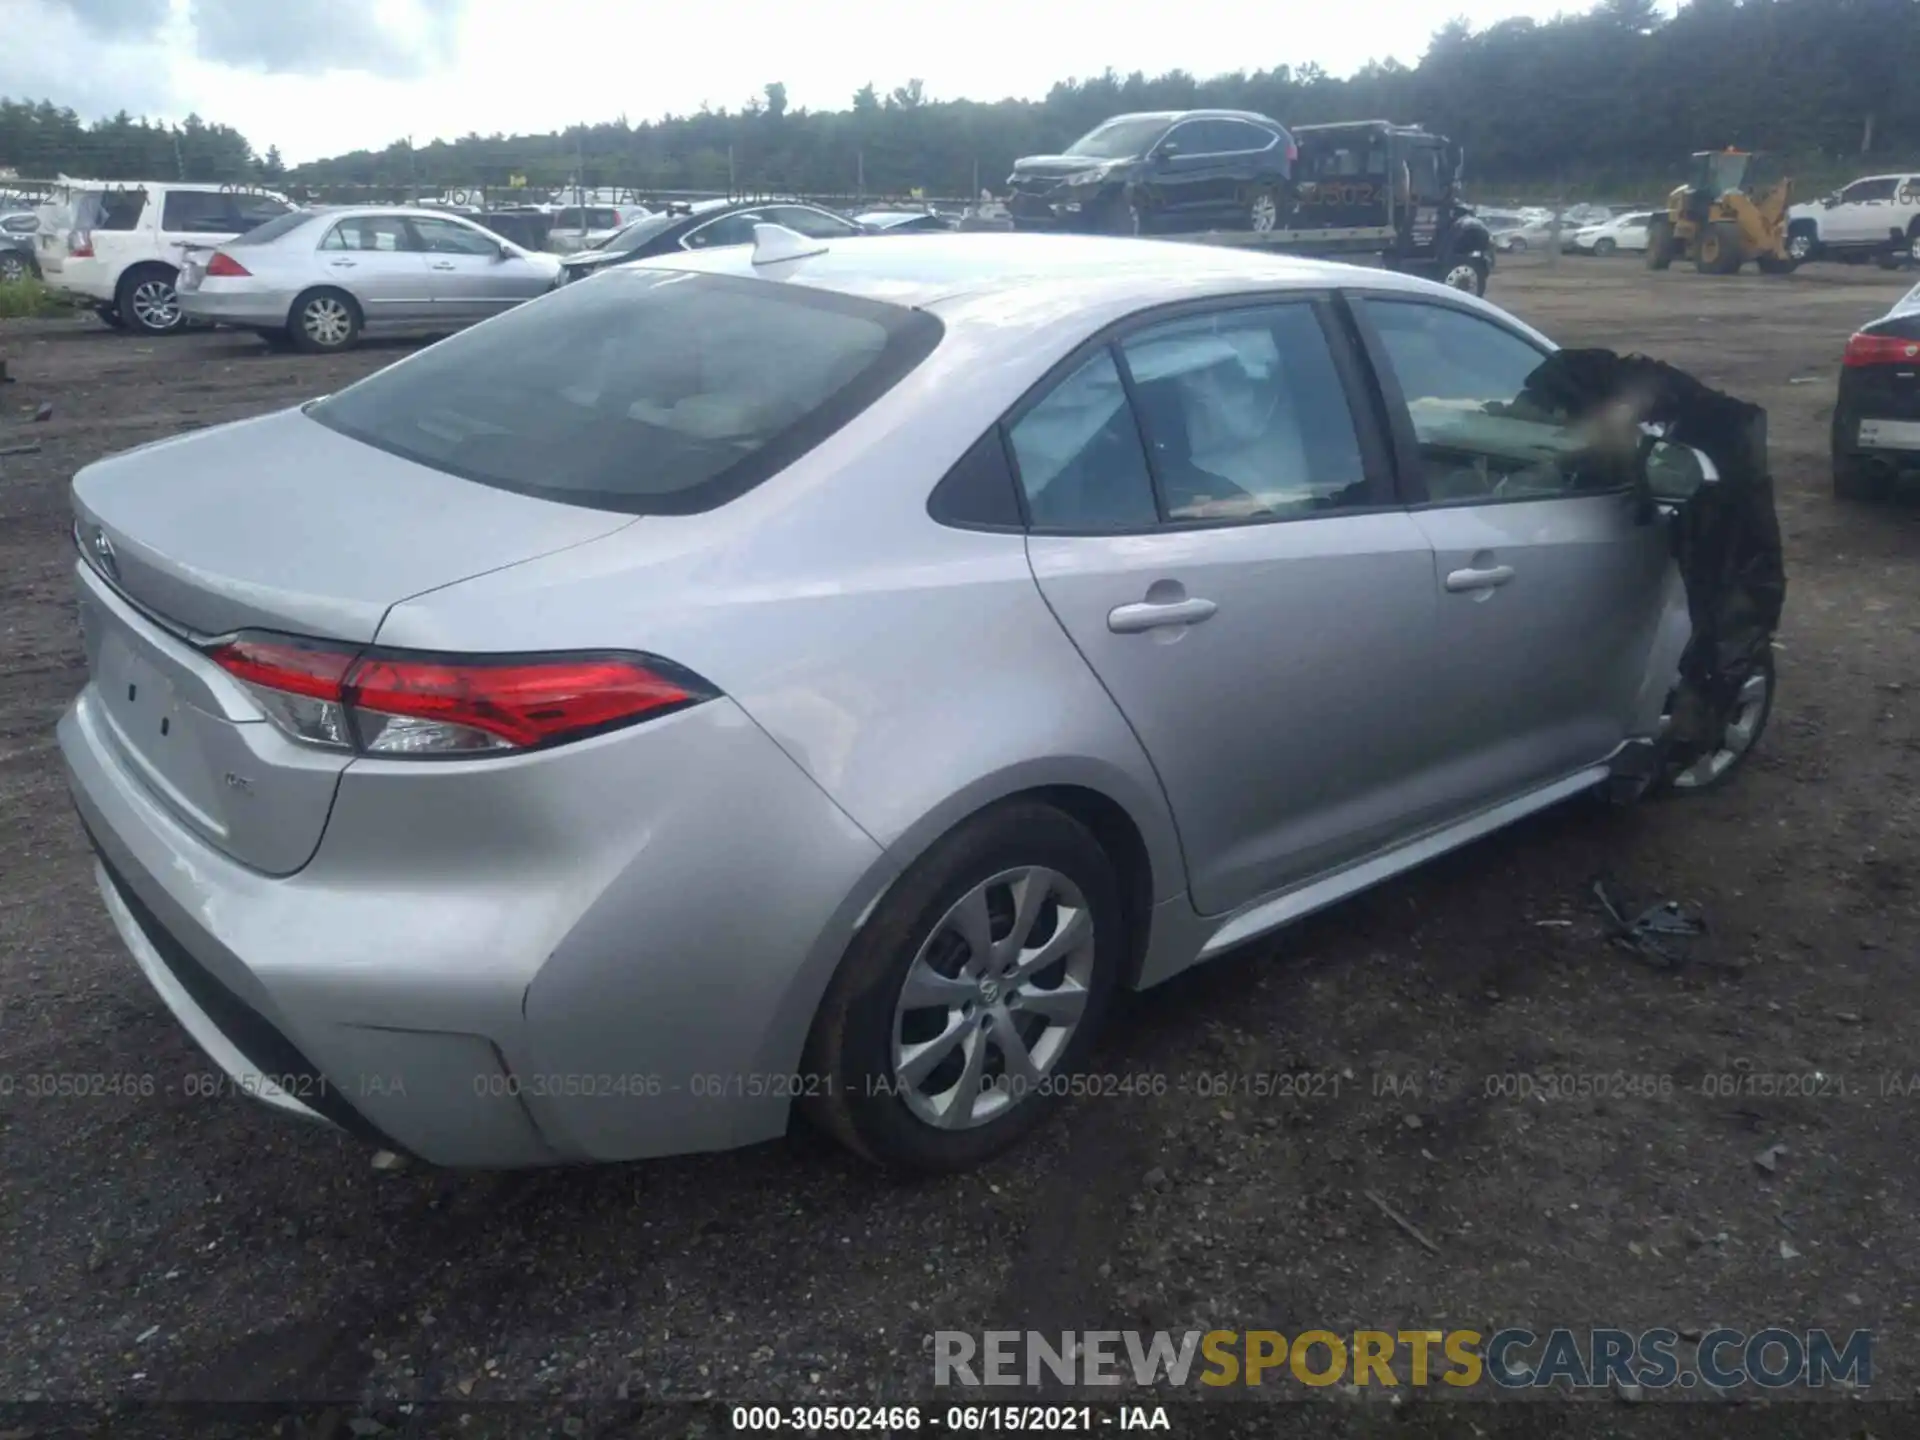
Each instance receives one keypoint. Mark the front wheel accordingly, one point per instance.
(1751, 710)
(1604, 248)
(1660, 245)
(1720, 251)
(970, 999)
(1801, 245)
(14, 268)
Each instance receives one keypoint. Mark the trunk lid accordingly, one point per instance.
(281, 524)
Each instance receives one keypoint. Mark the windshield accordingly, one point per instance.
(641, 391)
(1119, 139)
(632, 237)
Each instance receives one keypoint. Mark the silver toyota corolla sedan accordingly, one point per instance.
(815, 675)
(317, 278)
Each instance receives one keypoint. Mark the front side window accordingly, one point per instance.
(1483, 434)
(1079, 456)
(1246, 416)
(645, 392)
(371, 232)
(109, 209)
(445, 237)
(1120, 139)
(1865, 191)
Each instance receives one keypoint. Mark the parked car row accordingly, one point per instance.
(698, 799)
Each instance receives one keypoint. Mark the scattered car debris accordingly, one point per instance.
(32, 448)
(1769, 1158)
(1412, 1230)
(1787, 1250)
(1647, 934)
(387, 1160)
(45, 412)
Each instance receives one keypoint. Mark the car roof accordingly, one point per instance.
(926, 270)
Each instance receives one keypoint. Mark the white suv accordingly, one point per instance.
(119, 245)
(1878, 216)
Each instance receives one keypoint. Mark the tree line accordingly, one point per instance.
(1620, 92)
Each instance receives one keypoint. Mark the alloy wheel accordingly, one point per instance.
(1263, 214)
(1800, 246)
(12, 268)
(156, 304)
(327, 322)
(993, 998)
(1735, 741)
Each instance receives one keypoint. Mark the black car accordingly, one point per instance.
(1876, 422)
(704, 224)
(1165, 172)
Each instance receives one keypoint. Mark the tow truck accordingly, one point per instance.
(1372, 191)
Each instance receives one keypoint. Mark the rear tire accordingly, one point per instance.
(1468, 274)
(1263, 210)
(878, 1089)
(1855, 483)
(147, 300)
(1659, 244)
(1604, 248)
(14, 268)
(324, 322)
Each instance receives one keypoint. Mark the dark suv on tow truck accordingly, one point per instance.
(1158, 173)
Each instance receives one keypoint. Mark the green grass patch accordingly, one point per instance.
(23, 299)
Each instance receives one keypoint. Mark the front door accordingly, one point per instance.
(469, 275)
(1242, 583)
(1864, 215)
(377, 260)
(1548, 592)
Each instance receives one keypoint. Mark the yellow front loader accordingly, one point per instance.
(1732, 211)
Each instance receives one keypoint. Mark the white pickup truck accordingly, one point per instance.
(1877, 217)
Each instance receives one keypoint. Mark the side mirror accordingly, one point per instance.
(1676, 473)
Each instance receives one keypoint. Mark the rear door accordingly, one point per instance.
(377, 259)
(1548, 591)
(1194, 185)
(1242, 582)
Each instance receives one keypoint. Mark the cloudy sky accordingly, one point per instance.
(318, 77)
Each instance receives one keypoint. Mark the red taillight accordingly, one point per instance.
(224, 264)
(1864, 349)
(80, 245)
(392, 703)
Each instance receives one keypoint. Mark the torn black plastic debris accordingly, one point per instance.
(1726, 539)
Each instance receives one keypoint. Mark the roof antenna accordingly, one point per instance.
(773, 243)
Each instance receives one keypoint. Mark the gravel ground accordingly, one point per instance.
(177, 1248)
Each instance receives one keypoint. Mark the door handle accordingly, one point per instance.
(443, 265)
(1146, 615)
(1479, 579)
(343, 264)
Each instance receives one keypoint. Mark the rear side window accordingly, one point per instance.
(1079, 456)
(203, 212)
(109, 209)
(1246, 415)
(644, 392)
(253, 211)
(371, 232)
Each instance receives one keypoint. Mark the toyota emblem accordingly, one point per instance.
(102, 549)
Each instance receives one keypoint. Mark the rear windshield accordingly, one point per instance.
(272, 229)
(639, 233)
(642, 391)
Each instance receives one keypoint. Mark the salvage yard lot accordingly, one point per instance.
(198, 1248)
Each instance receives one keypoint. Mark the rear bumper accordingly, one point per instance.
(84, 279)
(255, 310)
(610, 965)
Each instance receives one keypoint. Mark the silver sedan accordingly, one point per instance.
(318, 278)
(820, 674)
